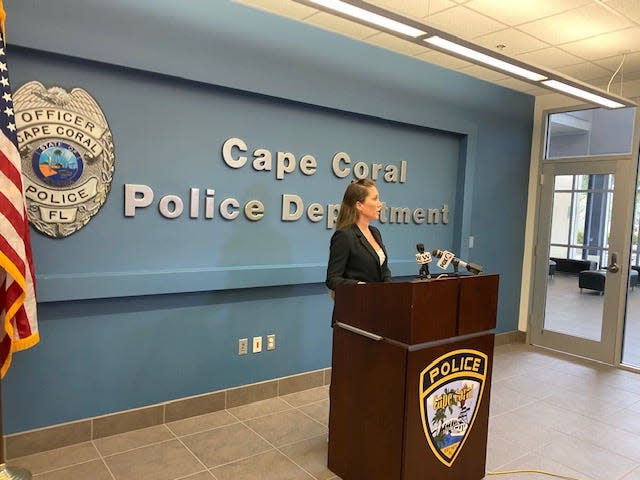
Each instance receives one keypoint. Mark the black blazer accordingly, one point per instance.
(352, 259)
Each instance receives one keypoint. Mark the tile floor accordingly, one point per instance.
(549, 412)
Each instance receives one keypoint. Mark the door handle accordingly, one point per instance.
(613, 263)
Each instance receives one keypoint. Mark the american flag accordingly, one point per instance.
(17, 278)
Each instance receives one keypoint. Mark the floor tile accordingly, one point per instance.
(206, 475)
(311, 455)
(587, 458)
(286, 427)
(505, 400)
(547, 415)
(501, 451)
(201, 423)
(626, 420)
(164, 461)
(634, 475)
(526, 385)
(260, 409)
(95, 470)
(319, 411)
(130, 440)
(306, 396)
(510, 427)
(272, 465)
(545, 467)
(608, 437)
(225, 444)
(55, 459)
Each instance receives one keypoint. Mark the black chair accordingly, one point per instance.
(552, 268)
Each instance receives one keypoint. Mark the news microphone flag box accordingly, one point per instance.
(445, 260)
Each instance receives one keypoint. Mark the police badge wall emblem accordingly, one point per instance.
(67, 156)
(451, 390)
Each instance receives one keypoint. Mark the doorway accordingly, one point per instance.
(583, 276)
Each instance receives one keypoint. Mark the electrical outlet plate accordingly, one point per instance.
(271, 342)
(243, 346)
(257, 344)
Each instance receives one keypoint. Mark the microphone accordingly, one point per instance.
(447, 258)
(423, 259)
(471, 267)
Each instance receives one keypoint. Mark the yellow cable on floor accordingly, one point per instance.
(507, 472)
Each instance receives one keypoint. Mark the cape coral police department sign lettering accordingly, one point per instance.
(67, 156)
(451, 389)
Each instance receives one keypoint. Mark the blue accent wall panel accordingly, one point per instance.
(137, 311)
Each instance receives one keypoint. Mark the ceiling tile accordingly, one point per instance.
(463, 22)
(516, 42)
(576, 25)
(341, 25)
(614, 86)
(484, 73)
(513, 12)
(443, 60)
(416, 9)
(604, 46)
(285, 8)
(631, 63)
(396, 44)
(628, 8)
(550, 58)
(585, 71)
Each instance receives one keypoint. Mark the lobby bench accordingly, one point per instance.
(575, 266)
(595, 279)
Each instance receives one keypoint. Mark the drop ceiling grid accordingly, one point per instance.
(581, 38)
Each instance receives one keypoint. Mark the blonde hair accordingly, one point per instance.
(357, 191)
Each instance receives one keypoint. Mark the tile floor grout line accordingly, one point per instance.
(194, 456)
(207, 429)
(57, 469)
(314, 419)
(281, 452)
(153, 444)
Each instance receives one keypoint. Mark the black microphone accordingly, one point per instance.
(474, 268)
(447, 258)
(423, 259)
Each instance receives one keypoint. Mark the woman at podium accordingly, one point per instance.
(356, 253)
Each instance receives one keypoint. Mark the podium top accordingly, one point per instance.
(421, 311)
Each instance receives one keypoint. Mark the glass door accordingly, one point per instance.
(582, 269)
(631, 333)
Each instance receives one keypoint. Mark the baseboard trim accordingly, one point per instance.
(516, 336)
(79, 431)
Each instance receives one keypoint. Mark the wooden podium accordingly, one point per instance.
(411, 378)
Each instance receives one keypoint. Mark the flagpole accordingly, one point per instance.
(6, 472)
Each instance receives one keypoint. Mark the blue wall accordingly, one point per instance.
(135, 311)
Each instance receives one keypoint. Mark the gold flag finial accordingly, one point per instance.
(3, 15)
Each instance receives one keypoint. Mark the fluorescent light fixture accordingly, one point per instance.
(584, 94)
(369, 17)
(484, 58)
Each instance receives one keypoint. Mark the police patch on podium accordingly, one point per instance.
(67, 156)
(451, 390)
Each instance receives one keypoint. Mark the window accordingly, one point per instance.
(581, 217)
(592, 132)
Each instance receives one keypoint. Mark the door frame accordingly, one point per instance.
(532, 265)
